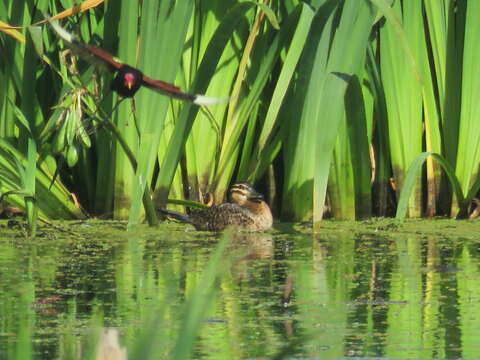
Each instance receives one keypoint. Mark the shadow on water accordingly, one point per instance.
(373, 289)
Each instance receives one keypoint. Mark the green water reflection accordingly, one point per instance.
(366, 290)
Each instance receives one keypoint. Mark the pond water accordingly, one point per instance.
(368, 289)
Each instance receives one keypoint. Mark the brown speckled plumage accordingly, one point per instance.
(247, 211)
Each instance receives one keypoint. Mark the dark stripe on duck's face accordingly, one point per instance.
(246, 190)
(243, 186)
(241, 189)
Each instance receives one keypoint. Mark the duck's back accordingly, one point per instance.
(218, 218)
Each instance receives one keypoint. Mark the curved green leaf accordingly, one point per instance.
(411, 177)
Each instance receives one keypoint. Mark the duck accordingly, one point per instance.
(246, 211)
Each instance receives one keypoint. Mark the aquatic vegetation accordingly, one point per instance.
(376, 288)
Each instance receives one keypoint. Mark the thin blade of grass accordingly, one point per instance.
(29, 109)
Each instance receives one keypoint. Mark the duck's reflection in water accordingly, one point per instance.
(250, 246)
(256, 266)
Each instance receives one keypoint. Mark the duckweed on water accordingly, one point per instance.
(377, 288)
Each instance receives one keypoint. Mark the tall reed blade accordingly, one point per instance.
(347, 57)
(446, 27)
(121, 175)
(163, 30)
(188, 113)
(350, 172)
(303, 109)
(401, 48)
(468, 154)
(29, 109)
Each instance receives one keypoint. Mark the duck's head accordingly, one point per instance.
(242, 192)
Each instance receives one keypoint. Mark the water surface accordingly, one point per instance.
(372, 289)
